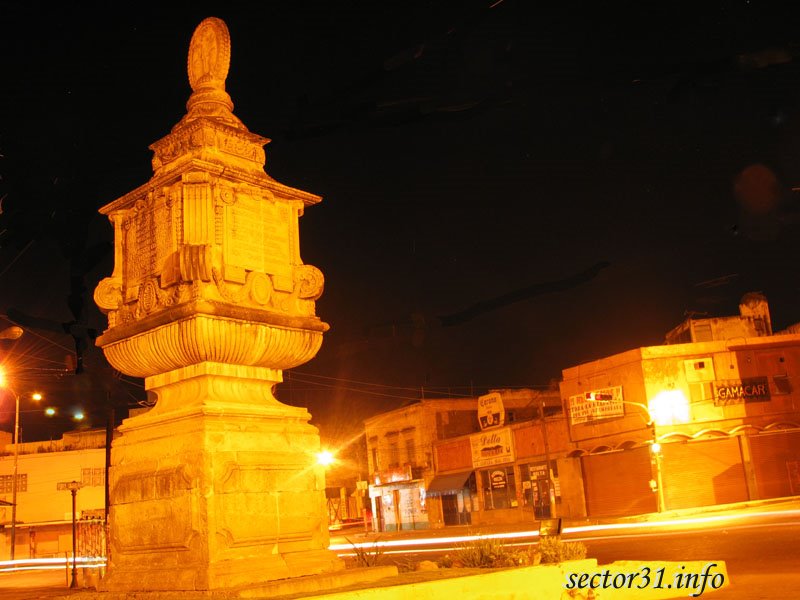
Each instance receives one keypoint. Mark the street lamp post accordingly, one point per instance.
(550, 483)
(73, 487)
(655, 450)
(14, 478)
(13, 333)
(14, 483)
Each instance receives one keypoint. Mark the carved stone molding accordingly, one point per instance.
(201, 338)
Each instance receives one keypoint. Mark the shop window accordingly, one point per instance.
(93, 477)
(394, 455)
(782, 385)
(698, 392)
(499, 488)
(411, 451)
(702, 332)
(375, 466)
(6, 484)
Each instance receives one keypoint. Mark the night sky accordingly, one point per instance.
(507, 190)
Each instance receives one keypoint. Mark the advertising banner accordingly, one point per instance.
(603, 403)
(490, 411)
(493, 447)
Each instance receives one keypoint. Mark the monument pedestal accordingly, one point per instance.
(216, 487)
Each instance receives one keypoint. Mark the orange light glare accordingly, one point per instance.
(36, 396)
(669, 407)
(325, 458)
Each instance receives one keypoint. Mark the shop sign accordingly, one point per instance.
(493, 447)
(602, 403)
(498, 479)
(739, 392)
(538, 471)
(490, 411)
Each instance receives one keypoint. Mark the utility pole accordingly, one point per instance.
(14, 481)
(551, 494)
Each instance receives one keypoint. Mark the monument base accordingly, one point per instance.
(216, 487)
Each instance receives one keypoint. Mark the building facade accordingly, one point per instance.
(400, 453)
(711, 417)
(44, 503)
(519, 472)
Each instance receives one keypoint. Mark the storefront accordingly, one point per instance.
(540, 488)
(501, 475)
(457, 493)
(776, 463)
(399, 506)
(703, 473)
(617, 483)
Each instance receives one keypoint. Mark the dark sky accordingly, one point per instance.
(465, 153)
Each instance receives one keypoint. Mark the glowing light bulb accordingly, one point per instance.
(325, 458)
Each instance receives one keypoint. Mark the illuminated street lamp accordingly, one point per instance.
(37, 397)
(16, 464)
(325, 458)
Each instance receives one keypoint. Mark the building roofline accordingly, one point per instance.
(687, 349)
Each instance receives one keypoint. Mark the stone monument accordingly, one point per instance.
(217, 485)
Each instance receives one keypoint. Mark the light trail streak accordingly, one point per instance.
(49, 564)
(430, 541)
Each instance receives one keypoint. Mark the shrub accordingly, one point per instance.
(445, 562)
(554, 550)
(367, 556)
(526, 557)
(483, 553)
(490, 553)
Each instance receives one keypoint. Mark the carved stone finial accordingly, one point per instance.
(208, 63)
(209, 55)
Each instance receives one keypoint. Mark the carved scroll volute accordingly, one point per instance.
(108, 293)
(309, 282)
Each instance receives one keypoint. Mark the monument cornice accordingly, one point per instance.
(210, 308)
(228, 174)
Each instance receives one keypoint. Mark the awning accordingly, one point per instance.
(4, 503)
(450, 483)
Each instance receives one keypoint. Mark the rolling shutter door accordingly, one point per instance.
(703, 473)
(618, 483)
(774, 457)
